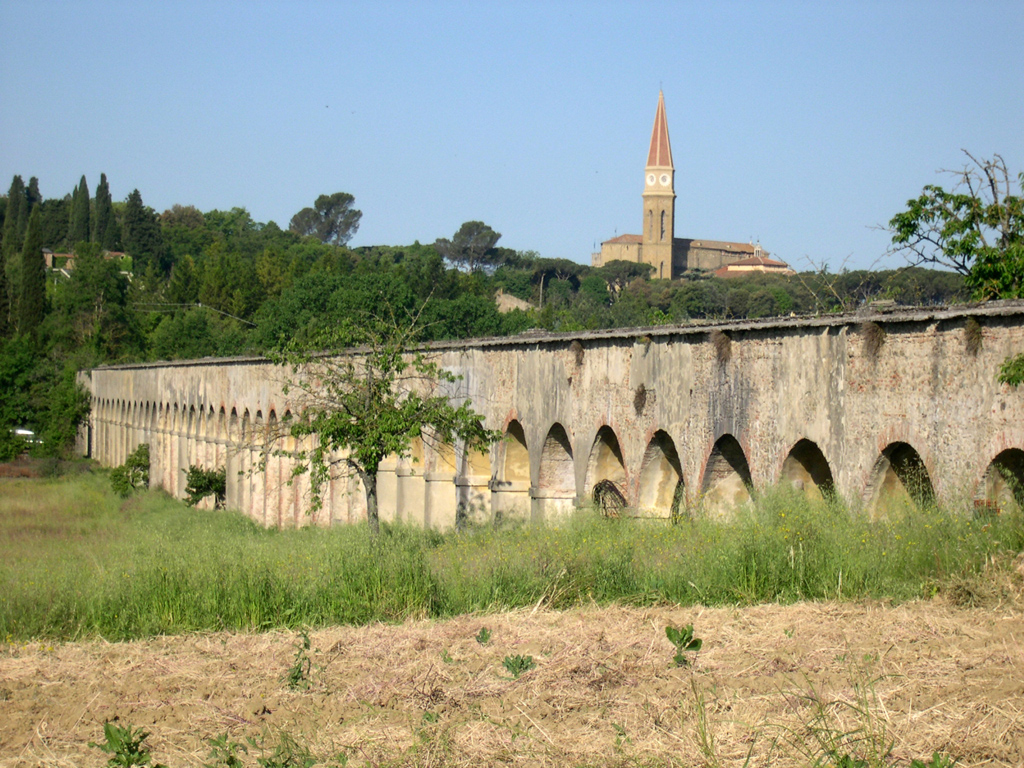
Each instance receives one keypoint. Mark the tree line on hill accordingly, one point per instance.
(141, 285)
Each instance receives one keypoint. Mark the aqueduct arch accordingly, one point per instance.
(807, 470)
(555, 492)
(726, 483)
(606, 472)
(1002, 486)
(510, 489)
(899, 478)
(660, 491)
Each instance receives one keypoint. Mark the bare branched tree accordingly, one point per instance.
(976, 229)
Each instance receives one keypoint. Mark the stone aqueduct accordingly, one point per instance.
(868, 406)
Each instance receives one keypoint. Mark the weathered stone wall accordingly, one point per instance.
(839, 402)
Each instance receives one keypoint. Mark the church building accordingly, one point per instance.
(657, 245)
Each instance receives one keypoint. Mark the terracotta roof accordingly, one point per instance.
(716, 245)
(625, 239)
(660, 154)
(762, 261)
(755, 264)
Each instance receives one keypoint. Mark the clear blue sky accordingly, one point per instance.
(801, 124)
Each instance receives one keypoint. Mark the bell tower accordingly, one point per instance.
(659, 199)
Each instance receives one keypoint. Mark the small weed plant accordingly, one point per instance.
(937, 761)
(126, 746)
(286, 753)
(224, 753)
(483, 636)
(298, 675)
(517, 665)
(684, 642)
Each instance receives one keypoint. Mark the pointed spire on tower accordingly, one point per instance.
(660, 154)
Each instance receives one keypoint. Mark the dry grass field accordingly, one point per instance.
(803, 684)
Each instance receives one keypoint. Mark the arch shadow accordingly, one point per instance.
(806, 469)
(661, 490)
(556, 464)
(606, 473)
(1002, 486)
(726, 483)
(899, 478)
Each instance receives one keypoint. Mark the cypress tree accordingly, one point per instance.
(32, 193)
(79, 226)
(10, 252)
(104, 227)
(32, 302)
(5, 305)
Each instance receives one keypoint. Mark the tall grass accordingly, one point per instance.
(75, 561)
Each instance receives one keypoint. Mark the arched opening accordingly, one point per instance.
(807, 470)
(510, 489)
(899, 479)
(726, 483)
(661, 478)
(606, 472)
(663, 225)
(1002, 486)
(556, 468)
(556, 482)
(515, 460)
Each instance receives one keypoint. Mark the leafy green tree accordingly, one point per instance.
(196, 333)
(466, 316)
(18, 359)
(619, 273)
(91, 317)
(594, 289)
(976, 229)
(184, 285)
(762, 303)
(32, 298)
(67, 404)
(332, 219)
(358, 407)
(78, 226)
(141, 235)
(471, 248)
(187, 216)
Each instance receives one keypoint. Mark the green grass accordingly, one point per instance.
(76, 561)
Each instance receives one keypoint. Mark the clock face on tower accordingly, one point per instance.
(664, 179)
(650, 179)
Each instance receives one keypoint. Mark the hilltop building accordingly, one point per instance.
(657, 245)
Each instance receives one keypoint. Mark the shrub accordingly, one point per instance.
(206, 482)
(133, 475)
